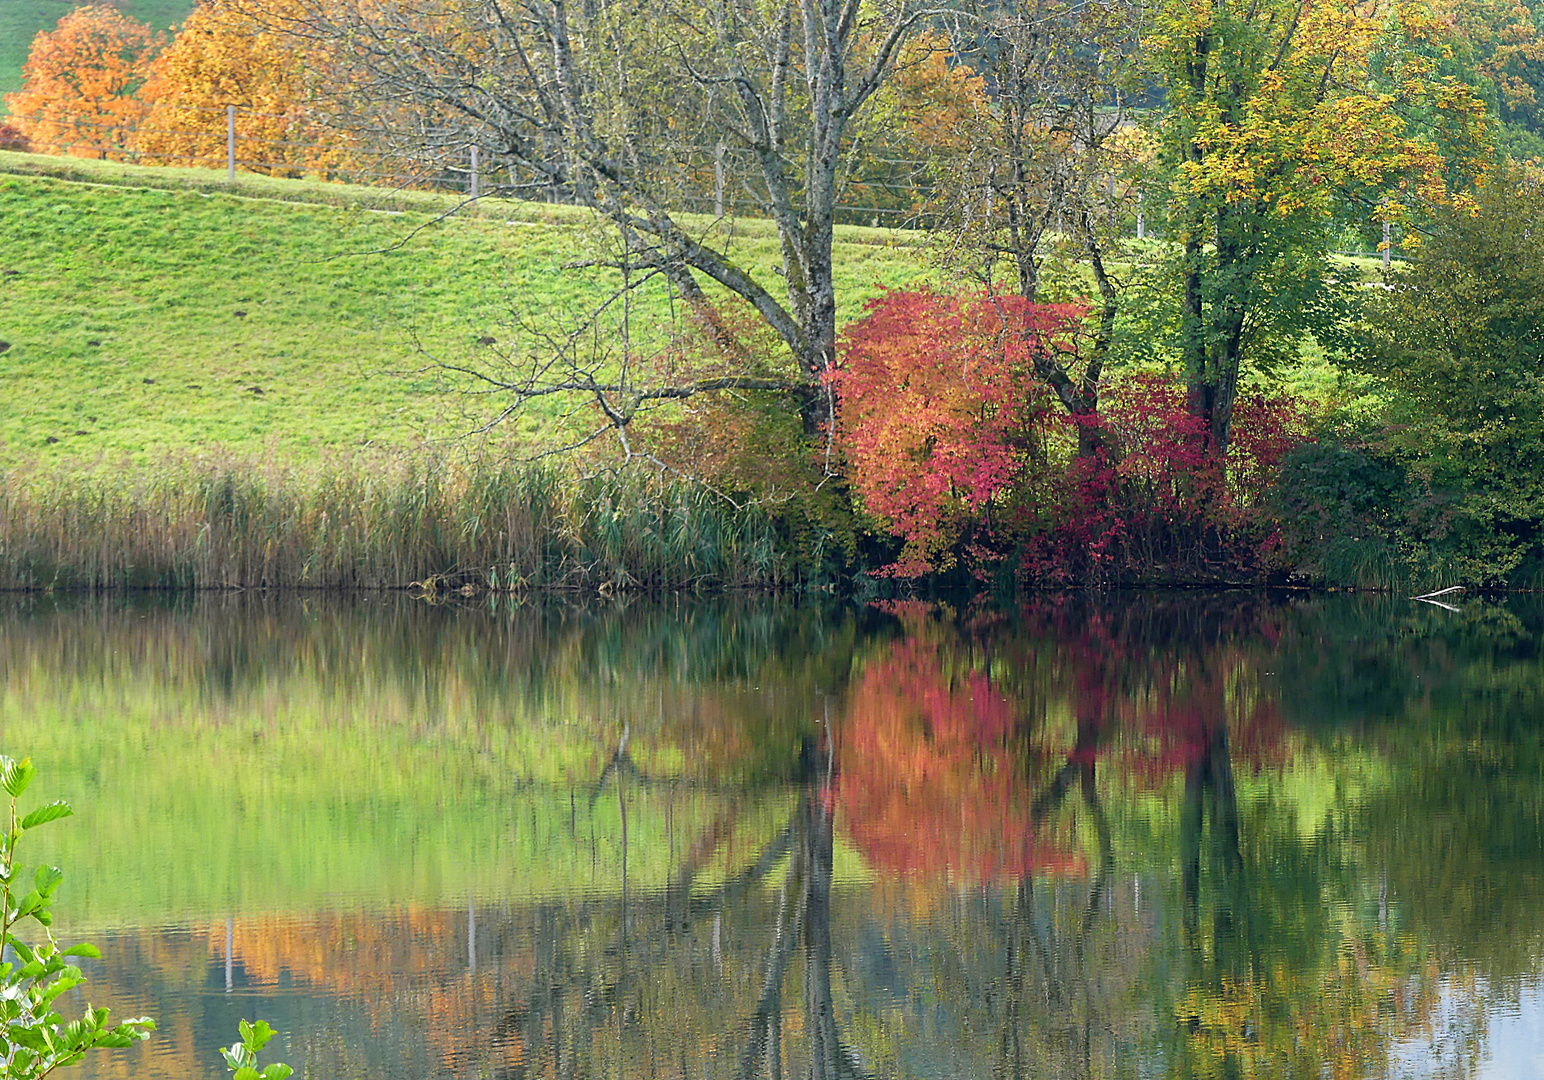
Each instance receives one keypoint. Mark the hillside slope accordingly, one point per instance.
(155, 311)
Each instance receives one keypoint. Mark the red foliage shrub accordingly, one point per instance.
(1154, 502)
(941, 414)
(953, 443)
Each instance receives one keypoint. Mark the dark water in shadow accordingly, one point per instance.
(1150, 836)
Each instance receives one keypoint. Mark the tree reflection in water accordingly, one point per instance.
(556, 1027)
(1161, 836)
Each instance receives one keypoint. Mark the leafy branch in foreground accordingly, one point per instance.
(34, 1039)
(242, 1056)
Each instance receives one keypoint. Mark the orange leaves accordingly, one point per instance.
(101, 85)
(921, 122)
(81, 83)
(939, 406)
(938, 101)
(932, 780)
(224, 56)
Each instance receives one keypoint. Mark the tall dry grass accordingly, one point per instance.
(202, 524)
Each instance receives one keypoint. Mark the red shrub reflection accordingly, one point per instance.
(959, 763)
(935, 778)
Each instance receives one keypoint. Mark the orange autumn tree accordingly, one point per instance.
(226, 54)
(918, 129)
(81, 82)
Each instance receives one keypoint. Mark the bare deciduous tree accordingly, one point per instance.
(1049, 173)
(620, 108)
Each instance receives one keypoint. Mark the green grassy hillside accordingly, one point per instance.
(20, 20)
(155, 311)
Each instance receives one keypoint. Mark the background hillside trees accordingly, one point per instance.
(221, 57)
(82, 82)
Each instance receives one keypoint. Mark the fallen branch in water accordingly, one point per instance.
(1429, 598)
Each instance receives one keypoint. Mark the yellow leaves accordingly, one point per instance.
(1289, 116)
(80, 83)
(224, 56)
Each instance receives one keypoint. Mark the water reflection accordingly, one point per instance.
(1156, 836)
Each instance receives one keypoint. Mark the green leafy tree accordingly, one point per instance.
(1460, 339)
(34, 1038)
(1273, 110)
(242, 1056)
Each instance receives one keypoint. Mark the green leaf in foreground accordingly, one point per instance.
(34, 1039)
(15, 775)
(241, 1057)
(48, 812)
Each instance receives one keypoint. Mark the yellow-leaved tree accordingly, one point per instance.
(1276, 113)
(81, 82)
(232, 54)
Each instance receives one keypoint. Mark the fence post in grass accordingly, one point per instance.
(474, 171)
(230, 143)
(718, 179)
(1388, 246)
(1141, 221)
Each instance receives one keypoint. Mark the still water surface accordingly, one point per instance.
(1152, 836)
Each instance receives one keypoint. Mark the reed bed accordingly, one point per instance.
(469, 525)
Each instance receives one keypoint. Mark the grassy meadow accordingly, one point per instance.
(216, 384)
(156, 312)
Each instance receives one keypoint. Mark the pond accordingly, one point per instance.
(1153, 835)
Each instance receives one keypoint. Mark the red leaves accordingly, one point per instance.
(932, 777)
(940, 411)
(1160, 505)
(953, 444)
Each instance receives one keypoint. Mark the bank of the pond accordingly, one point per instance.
(475, 525)
(391, 524)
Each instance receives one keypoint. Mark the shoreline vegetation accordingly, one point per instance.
(265, 498)
(403, 524)
(473, 526)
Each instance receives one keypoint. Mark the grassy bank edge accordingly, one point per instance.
(405, 523)
(386, 199)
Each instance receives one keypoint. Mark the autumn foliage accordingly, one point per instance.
(103, 85)
(952, 443)
(1153, 501)
(222, 56)
(940, 414)
(80, 94)
(933, 773)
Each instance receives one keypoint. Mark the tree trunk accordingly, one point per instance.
(1214, 335)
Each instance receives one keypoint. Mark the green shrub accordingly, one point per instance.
(34, 1038)
(1459, 340)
